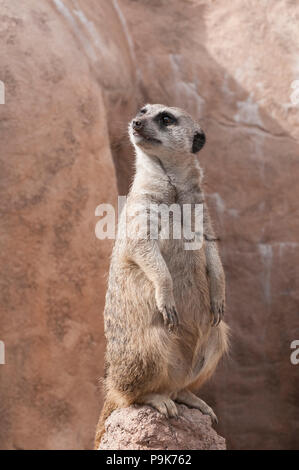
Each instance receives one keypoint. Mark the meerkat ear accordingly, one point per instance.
(199, 140)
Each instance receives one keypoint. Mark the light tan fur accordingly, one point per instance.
(164, 304)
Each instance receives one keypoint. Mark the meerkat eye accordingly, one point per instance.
(143, 111)
(167, 120)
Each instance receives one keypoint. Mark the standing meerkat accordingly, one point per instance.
(164, 303)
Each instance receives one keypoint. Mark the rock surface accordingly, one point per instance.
(143, 428)
(75, 72)
(56, 168)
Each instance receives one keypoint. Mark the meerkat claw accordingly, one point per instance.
(171, 409)
(217, 312)
(215, 319)
(175, 316)
(166, 316)
(170, 317)
(213, 417)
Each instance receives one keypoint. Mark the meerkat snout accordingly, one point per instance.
(171, 129)
(199, 141)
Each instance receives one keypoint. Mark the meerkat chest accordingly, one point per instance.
(180, 234)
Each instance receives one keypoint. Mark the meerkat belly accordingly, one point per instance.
(190, 282)
(192, 297)
(131, 315)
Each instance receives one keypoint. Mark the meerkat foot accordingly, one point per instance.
(188, 398)
(161, 403)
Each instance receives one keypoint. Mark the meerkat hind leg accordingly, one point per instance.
(188, 398)
(161, 403)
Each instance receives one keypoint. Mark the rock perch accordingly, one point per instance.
(143, 428)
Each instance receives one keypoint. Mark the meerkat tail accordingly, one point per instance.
(107, 409)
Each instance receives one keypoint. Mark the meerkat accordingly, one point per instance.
(164, 304)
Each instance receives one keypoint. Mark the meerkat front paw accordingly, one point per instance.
(167, 308)
(218, 309)
(170, 316)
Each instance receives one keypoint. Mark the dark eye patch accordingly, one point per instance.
(165, 119)
(143, 111)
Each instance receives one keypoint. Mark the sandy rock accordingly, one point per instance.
(143, 428)
(56, 168)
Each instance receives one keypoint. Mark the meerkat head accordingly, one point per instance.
(161, 130)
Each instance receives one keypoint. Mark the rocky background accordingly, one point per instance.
(75, 72)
